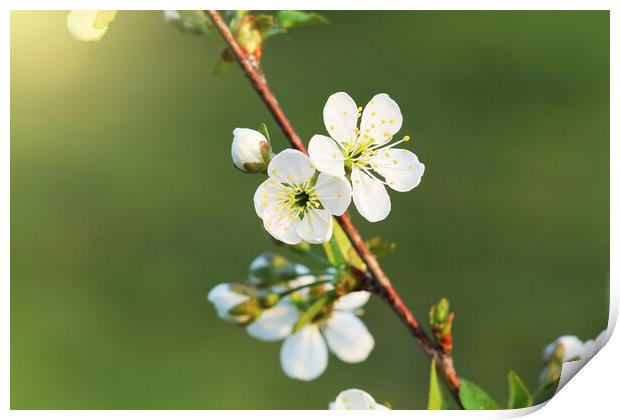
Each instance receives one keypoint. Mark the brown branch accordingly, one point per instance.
(382, 285)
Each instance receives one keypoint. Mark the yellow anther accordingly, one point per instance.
(345, 113)
(386, 134)
(386, 154)
(406, 138)
(334, 156)
(339, 194)
(395, 162)
(391, 121)
(331, 127)
(383, 121)
(410, 167)
(372, 125)
(274, 171)
(373, 113)
(359, 109)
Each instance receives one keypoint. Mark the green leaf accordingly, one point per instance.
(434, 391)
(340, 252)
(378, 248)
(263, 130)
(311, 313)
(474, 398)
(518, 394)
(290, 18)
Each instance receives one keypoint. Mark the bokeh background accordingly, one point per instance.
(126, 208)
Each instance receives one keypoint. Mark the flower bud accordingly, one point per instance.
(251, 151)
(232, 302)
(269, 269)
(249, 36)
(89, 25)
(441, 324)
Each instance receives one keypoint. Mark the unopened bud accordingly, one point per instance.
(251, 151)
(249, 36)
(441, 324)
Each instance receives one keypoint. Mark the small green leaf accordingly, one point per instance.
(474, 398)
(289, 18)
(340, 252)
(263, 130)
(434, 392)
(518, 394)
(378, 248)
(311, 313)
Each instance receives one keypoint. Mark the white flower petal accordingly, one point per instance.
(334, 193)
(381, 119)
(326, 156)
(348, 337)
(275, 323)
(304, 354)
(355, 399)
(281, 224)
(352, 301)
(316, 227)
(291, 166)
(81, 24)
(265, 196)
(573, 347)
(370, 196)
(340, 117)
(224, 299)
(401, 168)
(591, 347)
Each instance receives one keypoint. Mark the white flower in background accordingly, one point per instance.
(573, 348)
(89, 25)
(295, 204)
(277, 323)
(304, 354)
(250, 150)
(171, 15)
(355, 399)
(224, 298)
(366, 151)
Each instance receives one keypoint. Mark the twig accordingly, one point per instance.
(382, 285)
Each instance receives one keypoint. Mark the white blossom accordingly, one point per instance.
(250, 150)
(304, 353)
(224, 298)
(297, 205)
(89, 25)
(575, 349)
(366, 154)
(355, 399)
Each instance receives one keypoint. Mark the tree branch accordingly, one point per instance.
(381, 283)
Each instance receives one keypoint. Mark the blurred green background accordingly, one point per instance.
(126, 208)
